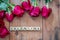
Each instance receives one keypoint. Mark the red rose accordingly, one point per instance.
(3, 32)
(49, 11)
(2, 13)
(26, 5)
(9, 16)
(46, 12)
(35, 12)
(18, 11)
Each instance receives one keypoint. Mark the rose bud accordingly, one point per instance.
(18, 11)
(9, 16)
(4, 32)
(26, 5)
(49, 11)
(2, 12)
(46, 12)
(35, 12)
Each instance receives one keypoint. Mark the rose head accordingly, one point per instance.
(49, 11)
(2, 13)
(18, 11)
(35, 12)
(3, 32)
(25, 5)
(46, 12)
(9, 16)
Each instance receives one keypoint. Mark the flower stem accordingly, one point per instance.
(22, 0)
(47, 5)
(35, 2)
(29, 2)
(9, 11)
(47, 1)
(11, 5)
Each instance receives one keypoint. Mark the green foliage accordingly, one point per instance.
(5, 1)
(34, 2)
(3, 4)
(47, 1)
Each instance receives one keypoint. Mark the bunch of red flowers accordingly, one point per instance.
(17, 10)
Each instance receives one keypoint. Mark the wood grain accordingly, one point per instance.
(47, 25)
(26, 20)
(50, 23)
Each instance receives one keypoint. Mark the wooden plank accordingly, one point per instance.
(16, 22)
(50, 23)
(7, 26)
(47, 25)
(30, 21)
(59, 19)
(59, 12)
(26, 20)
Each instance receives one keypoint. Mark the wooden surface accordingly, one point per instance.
(48, 25)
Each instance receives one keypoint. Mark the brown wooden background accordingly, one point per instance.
(47, 25)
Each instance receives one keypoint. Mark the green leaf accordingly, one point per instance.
(0, 0)
(3, 6)
(47, 1)
(4, 1)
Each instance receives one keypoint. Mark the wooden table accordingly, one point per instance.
(47, 25)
